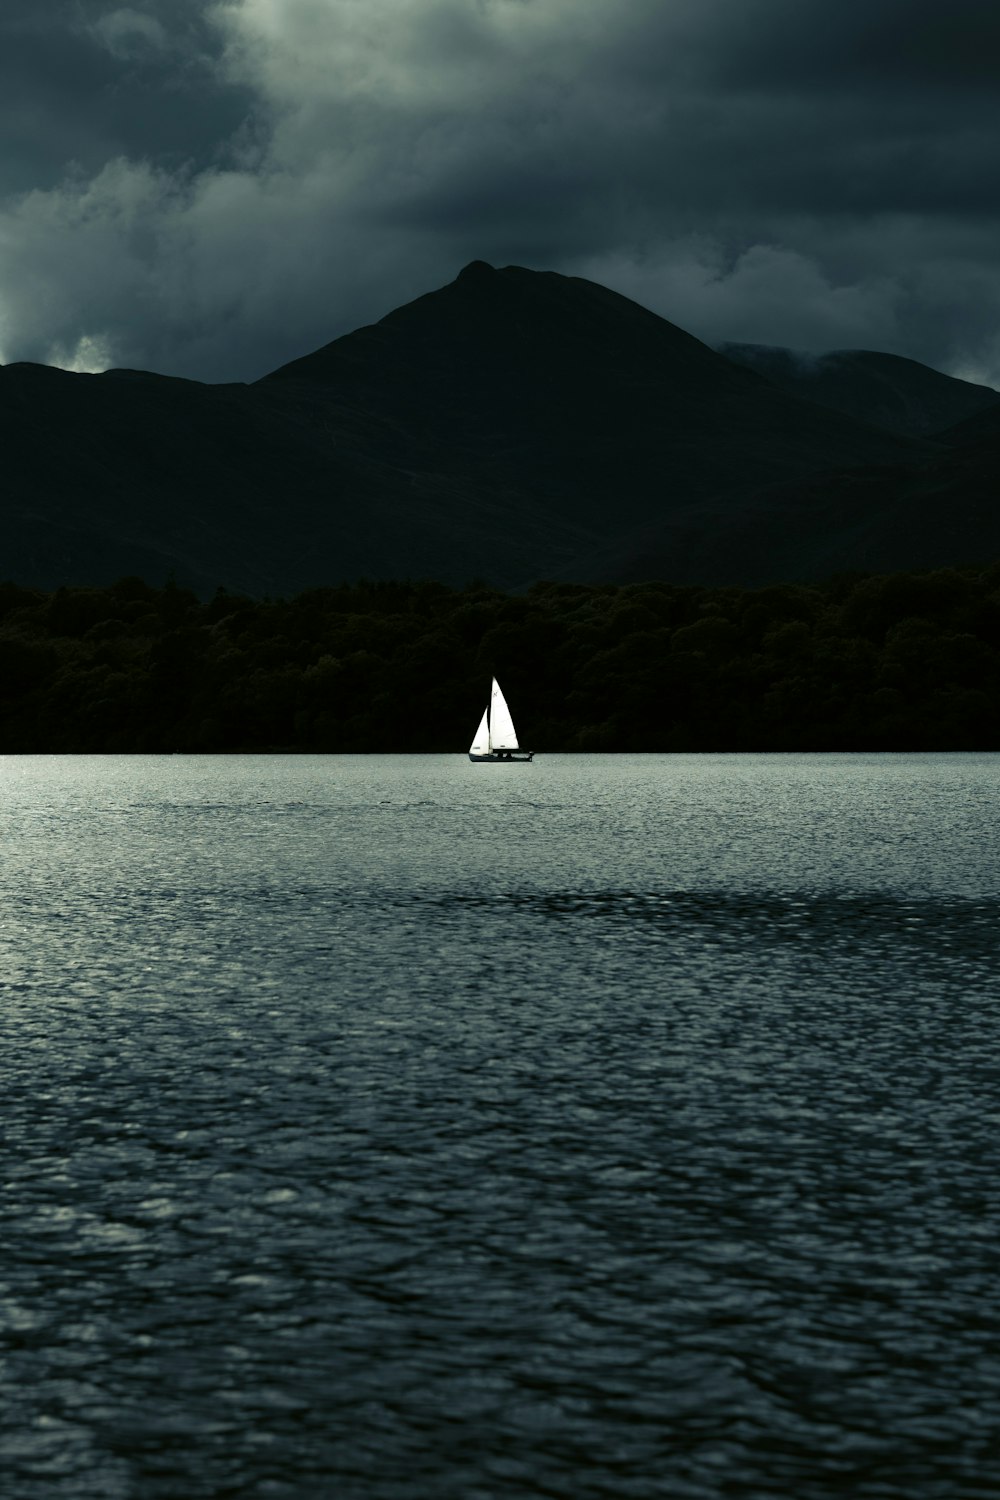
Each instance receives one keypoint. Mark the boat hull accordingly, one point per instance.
(508, 758)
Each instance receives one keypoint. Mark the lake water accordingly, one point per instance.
(393, 1128)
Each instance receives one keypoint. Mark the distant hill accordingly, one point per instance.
(513, 425)
(898, 394)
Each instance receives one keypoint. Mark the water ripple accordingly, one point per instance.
(318, 1184)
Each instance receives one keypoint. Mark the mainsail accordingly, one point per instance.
(502, 735)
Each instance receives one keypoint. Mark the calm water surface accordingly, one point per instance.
(392, 1128)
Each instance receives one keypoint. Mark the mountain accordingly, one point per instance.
(512, 425)
(897, 394)
(528, 396)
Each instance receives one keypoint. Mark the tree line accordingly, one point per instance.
(896, 662)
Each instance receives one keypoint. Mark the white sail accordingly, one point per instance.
(502, 735)
(481, 744)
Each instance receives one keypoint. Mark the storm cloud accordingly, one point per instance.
(209, 189)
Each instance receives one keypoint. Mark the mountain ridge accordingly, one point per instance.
(890, 390)
(511, 425)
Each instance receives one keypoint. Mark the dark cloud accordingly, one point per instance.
(84, 81)
(211, 188)
(895, 46)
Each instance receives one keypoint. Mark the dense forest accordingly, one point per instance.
(903, 661)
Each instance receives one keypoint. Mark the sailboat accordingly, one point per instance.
(496, 738)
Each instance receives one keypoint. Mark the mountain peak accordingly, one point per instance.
(476, 270)
(504, 326)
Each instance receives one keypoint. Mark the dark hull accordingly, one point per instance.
(515, 758)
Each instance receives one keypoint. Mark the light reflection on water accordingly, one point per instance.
(390, 1127)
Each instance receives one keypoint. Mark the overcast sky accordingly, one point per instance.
(211, 189)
